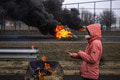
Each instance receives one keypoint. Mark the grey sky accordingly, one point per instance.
(115, 4)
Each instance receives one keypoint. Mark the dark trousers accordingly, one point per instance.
(88, 79)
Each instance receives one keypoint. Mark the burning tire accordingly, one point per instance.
(48, 70)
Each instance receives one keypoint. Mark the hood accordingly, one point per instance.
(95, 31)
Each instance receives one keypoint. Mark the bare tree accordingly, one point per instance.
(107, 18)
(2, 18)
(87, 17)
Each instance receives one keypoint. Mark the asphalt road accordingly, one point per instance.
(41, 38)
(66, 77)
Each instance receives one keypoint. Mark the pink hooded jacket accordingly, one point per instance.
(91, 56)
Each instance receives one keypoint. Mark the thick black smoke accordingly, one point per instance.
(66, 17)
(43, 14)
(71, 18)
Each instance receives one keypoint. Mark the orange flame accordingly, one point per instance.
(43, 58)
(61, 32)
(81, 29)
(40, 76)
(47, 67)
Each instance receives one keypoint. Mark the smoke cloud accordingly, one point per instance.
(43, 14)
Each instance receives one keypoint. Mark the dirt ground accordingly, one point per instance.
(69, 67)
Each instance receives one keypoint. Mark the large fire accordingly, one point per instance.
(61, 32)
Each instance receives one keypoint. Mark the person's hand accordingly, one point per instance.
(80, 51)
(69, 53)
(72, 54)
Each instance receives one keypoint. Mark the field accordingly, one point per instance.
(57, 51)
(110, 62)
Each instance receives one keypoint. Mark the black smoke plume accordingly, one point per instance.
(43, 14)
(66, 17)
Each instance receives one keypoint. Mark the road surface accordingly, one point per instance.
(42, 38)
(66, 77)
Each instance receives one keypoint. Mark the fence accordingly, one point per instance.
(15, 25)
(96, 7)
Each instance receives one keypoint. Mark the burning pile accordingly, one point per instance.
(61, 32)
(44, 70)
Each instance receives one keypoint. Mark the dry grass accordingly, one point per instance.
(57, 51)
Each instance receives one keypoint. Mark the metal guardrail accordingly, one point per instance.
(18, 53)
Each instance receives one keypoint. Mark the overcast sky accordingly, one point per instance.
(115, 4)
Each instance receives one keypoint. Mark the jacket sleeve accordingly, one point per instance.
(93, 56)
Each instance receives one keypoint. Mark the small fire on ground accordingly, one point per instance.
(47, 68)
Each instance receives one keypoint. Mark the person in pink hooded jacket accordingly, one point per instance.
(91, 56)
